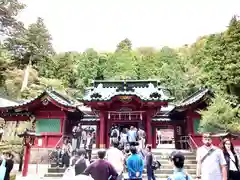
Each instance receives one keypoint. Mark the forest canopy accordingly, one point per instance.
(212, 62)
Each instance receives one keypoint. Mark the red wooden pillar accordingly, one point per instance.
(102, 133)
(109, 124)
(26, 160)
(97, 136)
(149, 129)
(154, 137)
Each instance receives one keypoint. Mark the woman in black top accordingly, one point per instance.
(9, 164)
(231, 160)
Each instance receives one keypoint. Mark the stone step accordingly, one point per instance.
(188, 163)
(157, 175)
(164, 166)
(160, 157)
(160, 171)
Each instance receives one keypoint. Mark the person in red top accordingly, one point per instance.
(101, 169)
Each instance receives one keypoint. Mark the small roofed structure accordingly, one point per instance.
(49, 113)
(229, 135)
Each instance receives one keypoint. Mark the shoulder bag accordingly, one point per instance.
(208, 154)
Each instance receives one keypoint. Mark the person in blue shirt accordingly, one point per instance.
(177, 159)
(135, 165)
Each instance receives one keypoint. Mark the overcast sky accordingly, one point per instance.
(79, 24)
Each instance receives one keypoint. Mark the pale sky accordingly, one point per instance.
(76, 25)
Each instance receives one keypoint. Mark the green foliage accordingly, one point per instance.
(5, 61)
(124, 45)
(87, 68)
(9, 9)
(32, 45)
(220, 115)
(212, 61)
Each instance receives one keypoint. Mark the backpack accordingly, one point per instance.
(114, 133)
(70, 171)
(155, 164)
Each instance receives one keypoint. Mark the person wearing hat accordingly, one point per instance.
(177, 159)
(211, 164)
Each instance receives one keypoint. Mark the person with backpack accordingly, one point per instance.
(211, 164)
(114, 135)
(177, 159)
(149, 163)
(77, 166)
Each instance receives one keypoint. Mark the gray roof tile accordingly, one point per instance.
(103, 93)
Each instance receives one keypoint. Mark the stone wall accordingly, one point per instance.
(40, 155)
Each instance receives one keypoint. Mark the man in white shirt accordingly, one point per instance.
(116, 158)
(211, 164)
(132, 136)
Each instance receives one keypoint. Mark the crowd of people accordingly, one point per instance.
(126, 154)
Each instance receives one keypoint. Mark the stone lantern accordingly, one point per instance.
(28, 141)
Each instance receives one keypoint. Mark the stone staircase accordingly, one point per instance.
(162, 173)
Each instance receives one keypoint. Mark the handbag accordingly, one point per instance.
(70, 171)
(155, 163)
(3, 170)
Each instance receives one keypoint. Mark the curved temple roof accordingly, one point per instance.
(194, 98)
(145, 90)
(6, 102)
(50, 93)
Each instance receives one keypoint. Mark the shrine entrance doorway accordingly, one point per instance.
(164, 136)
(124, 119)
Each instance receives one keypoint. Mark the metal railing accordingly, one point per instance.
(191, 141)
(184, 142)
(188, 141)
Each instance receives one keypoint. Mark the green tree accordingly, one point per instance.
(122, 65)
(87, 68)
(124, 45)
(65, 67)
(9, 9)
(32, 45)
(220, 116)
(232, 63)
(5, 61)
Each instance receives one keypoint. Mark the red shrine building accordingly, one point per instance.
(141, 103)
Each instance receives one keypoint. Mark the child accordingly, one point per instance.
(177, 159)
